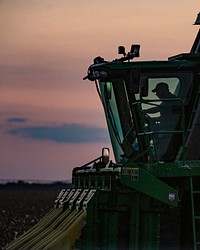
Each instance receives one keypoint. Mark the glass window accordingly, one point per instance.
(160, 102)
(162, 110)
(150, 121)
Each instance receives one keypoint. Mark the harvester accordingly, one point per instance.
(149, 198)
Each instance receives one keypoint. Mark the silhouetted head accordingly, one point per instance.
(161, 89)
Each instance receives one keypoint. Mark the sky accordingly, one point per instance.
(50, 119)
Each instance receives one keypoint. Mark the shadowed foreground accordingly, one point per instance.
(22, 206)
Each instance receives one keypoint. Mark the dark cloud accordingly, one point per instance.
(16, 120)
(67, 133)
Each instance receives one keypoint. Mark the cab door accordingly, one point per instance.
(163, 107)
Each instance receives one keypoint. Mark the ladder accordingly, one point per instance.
(195, 195)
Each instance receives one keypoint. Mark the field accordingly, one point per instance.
(22, 206)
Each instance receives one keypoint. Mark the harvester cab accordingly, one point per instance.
(149, 198)
(149, 106)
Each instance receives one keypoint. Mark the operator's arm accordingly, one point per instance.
(152, 110)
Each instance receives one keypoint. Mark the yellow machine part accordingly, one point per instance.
(57, 230)
(67, 238)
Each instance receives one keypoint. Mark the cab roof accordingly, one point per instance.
(186, 61)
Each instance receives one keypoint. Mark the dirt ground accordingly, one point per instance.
(22, 206)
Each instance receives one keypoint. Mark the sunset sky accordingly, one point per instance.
(50, 119)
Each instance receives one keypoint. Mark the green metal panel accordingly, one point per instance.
(176, 169)
(91, 231)
(142, 181)
(113, 231)
(151, 231)
(103, 232)
(134, 221)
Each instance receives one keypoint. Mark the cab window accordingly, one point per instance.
(162, 109)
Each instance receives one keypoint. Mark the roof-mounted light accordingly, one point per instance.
(121, 50)
(98, 60)
(96, 73)
(135, 49)
(134, 52)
